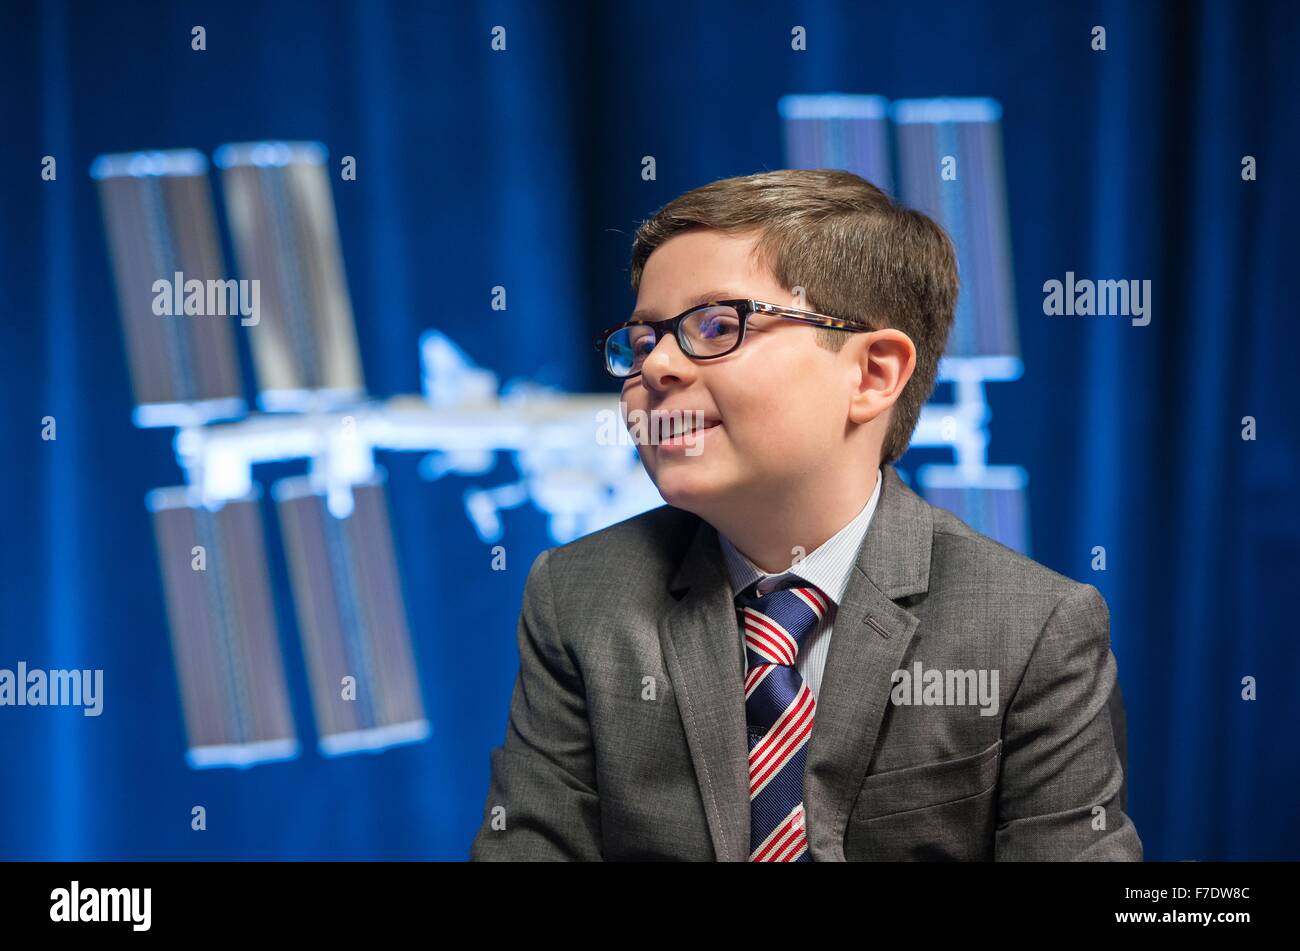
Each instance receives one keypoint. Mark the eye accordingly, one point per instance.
(719, 325)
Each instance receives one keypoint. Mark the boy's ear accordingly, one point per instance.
(886, 360)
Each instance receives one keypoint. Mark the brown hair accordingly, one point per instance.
(858, 254)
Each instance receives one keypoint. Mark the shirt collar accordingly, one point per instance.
(827, 567)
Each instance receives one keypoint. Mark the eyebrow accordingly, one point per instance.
(704, 298)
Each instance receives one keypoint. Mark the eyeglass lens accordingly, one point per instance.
(707, 332)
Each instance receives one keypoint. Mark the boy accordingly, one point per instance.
(729, 676)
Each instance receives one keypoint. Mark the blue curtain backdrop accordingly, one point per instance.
(522, 169)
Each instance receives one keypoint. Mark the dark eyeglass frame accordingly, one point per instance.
(744, 309)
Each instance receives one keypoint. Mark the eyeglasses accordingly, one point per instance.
(704, 332)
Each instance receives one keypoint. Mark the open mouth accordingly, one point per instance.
(682, 430)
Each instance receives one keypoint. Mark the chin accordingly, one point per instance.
(686, 491)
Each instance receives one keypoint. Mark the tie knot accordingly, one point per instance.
(775, 624)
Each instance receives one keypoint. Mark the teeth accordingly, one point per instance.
(672, 428)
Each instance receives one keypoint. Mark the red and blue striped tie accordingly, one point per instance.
(779, 707)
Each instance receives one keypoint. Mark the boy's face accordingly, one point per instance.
(781, 401)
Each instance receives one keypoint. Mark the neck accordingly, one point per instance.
(792, 526)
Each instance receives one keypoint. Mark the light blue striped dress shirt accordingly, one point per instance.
(827, 567)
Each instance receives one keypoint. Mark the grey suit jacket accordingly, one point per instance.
(627, 740)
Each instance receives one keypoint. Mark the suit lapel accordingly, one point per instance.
(869, 641)
(700, 640)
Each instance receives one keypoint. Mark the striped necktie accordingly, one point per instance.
(779, 708)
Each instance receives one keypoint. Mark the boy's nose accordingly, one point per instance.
(666, 365)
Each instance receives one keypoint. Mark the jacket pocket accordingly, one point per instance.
(926, 785)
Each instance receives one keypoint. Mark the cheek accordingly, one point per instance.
(793, 435)
(787, 412)
(632, 400)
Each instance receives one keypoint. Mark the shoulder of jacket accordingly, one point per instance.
(645, 545)
(961, 551)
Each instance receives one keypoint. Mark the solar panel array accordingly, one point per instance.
(180, 311)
